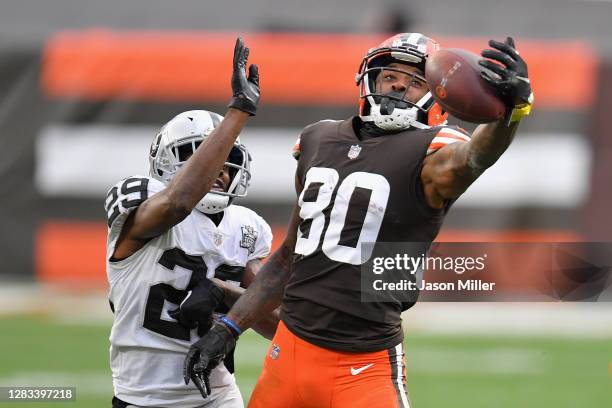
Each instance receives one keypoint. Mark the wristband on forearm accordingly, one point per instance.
(519, 112)
(232, 326)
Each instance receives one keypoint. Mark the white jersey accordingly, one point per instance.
(148, 347)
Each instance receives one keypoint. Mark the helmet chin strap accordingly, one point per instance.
(394, 115)
(213, 203)
(386, 106)
(392, 100)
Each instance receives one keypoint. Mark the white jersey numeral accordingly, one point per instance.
(311, 210)
(379, 187)
(320, 181)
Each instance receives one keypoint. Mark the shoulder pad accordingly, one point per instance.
(447, 135)
(297, 147)
(128, 194)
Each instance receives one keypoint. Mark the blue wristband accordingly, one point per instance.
(233, 326)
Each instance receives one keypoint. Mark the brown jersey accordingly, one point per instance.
(355, 191)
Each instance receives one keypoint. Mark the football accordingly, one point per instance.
(453, 77)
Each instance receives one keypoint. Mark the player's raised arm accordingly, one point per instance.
(195, 310)
(196, 177)
(449, 172)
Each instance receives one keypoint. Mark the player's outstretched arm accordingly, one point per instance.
(268, 323)
(262, 297)
(449, 172)
(265, 293)
(170, 206)
(196, 310)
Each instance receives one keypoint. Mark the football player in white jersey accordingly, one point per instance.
(170, 235)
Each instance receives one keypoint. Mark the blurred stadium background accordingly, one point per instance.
(84, 85)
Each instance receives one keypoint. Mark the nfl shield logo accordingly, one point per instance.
(354, 151)
(218, 238)
(274, 353)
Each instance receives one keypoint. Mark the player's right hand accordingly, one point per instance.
(198, 306)
(205, 354)
(245, 91)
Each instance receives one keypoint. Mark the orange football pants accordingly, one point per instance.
(298, 374)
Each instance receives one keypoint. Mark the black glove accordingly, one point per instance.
(512, 81)
(245, 92)
(196, 310)
(205, 354)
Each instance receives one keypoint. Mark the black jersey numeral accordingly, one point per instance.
(111, 207)
(161, 293)
(135, 191)
(357, 211)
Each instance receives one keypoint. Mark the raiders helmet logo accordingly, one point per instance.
(249, 237)
(155, 145)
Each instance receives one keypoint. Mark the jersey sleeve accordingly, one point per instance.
(306, 145)
(123, 198)
(263, 243)
(298, 150)
(447, 135)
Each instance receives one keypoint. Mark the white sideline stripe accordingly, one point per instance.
(399, 352)
(490, 360)
(534, 319)
(85, 160)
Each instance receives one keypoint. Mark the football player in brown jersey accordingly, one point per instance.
(387, 175)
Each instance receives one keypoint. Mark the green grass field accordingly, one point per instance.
(443, 371)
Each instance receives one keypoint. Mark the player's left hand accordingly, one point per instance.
(198, 306)
(512, 81)
(205, 354)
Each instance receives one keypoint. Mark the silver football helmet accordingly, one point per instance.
(177, 141)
